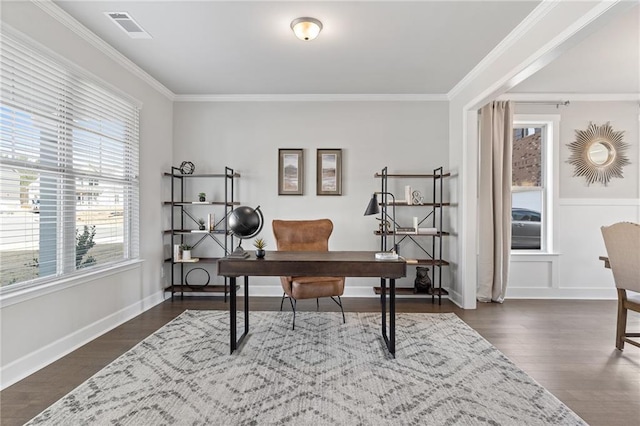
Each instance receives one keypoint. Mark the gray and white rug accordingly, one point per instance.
(324, 372)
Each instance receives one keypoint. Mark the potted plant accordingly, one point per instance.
(186, 251)
(259, 244)
(201, 224)
(202, 196)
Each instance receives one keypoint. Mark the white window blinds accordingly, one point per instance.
(68, 171)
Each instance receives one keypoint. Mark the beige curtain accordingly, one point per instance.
(494, 200)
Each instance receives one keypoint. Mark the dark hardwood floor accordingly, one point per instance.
(566, 346)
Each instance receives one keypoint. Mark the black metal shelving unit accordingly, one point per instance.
(182, 217)
(433, 214)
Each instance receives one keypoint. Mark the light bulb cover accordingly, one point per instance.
(306, 29)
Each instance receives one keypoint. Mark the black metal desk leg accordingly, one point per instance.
(390, 337)
(392, 317)
(232, 313)
(246, 305)
(383, 306)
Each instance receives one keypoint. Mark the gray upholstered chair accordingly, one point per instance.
(622, 241)
(307, 235)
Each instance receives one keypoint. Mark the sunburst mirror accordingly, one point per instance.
(598, 153)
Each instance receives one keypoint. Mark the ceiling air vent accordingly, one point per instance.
(126, 23)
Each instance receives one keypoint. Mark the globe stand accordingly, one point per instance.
(239, 252)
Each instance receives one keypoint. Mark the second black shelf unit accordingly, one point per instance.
(432, 214)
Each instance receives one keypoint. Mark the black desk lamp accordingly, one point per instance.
(374, 208)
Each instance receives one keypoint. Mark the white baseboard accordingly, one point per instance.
(30, 363)
(456, 298)
(562, 293)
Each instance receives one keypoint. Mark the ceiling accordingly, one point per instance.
(607, 62)
(365, 47)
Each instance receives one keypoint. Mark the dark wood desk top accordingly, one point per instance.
(319, 264)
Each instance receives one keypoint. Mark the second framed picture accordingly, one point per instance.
(329, 172)
(290, 172)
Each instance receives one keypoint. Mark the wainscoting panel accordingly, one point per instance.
(528, 272)
(574, 270)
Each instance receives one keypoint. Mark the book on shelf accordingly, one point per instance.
(405, 229)
(211, 221)
(428, 231)
(386, 256)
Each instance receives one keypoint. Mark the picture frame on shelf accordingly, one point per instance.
(329, 172)
(290, 171)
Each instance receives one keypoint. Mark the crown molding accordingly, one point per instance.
(314, 98)
(70, 22)
(516, 34)
(572, 97)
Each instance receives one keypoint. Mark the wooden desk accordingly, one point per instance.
(317, 264)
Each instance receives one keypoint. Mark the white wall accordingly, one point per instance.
(574, 271)
(38, 327)
(405, 136)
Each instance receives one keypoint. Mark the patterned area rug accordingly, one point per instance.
(324, 372)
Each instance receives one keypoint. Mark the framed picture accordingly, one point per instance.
(329, 172)
(290, 171)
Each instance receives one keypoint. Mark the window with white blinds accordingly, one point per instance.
(68, 170)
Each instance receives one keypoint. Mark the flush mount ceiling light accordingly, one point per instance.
(306, 29)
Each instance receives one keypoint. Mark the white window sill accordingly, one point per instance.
(13, 296)
(534, 252)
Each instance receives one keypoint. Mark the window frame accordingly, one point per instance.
(550, 123)
(77, 79)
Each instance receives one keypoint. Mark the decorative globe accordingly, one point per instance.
(245, 222)
(187, 168)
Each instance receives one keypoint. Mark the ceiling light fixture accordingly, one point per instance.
(306, 29)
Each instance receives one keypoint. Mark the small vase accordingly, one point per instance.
(201, 227)
(186, 254)
(260, 253)
(202, 199)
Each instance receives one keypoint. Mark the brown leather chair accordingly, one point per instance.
(307, 235)
(622, 241)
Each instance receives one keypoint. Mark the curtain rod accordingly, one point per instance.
(558, 104)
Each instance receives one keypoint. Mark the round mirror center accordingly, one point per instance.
(599, 153)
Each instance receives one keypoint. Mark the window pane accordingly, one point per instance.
(527, 189)
(19, 241)
(527, 157)
(526, 219)
(24, 229)
(99, 222)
